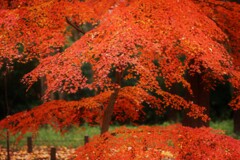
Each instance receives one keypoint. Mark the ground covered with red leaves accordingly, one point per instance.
(174, 142)
(39, 153)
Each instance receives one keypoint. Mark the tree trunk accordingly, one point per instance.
(9, 3)
(6, 94)
(236, 121)
(172, 115)
(43, 88)
(61, 95)
(108, 112)
(200, 97)
(7, 110)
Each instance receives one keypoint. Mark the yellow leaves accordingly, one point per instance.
(167, 154)
(210, 49)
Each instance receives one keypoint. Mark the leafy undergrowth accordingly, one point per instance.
(39, 153)
(158, 142)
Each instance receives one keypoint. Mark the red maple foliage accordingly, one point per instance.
(172, 142)
(61, 113)
(227, 17)
(134, 39)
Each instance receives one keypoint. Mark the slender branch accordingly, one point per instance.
(74, 25)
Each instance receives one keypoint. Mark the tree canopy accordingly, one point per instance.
(141, 40)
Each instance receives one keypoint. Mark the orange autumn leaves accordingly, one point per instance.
(39, 27)
(130, 38)
(158, 142)
(141, 39)
(59, 113)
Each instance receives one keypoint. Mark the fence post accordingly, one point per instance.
(8, 146)
(53, 153)
(86, 139)
(29, 144)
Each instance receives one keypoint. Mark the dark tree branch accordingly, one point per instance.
(9, 3)
(74, 25)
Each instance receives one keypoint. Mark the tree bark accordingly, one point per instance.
(172, 115)
(6, 94)
(236, 122)
(9, 3)
(108, 112)
(200, 97)
(7, 110)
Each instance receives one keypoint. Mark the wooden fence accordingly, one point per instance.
(53, 150)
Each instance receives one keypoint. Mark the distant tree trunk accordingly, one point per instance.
(52, 96)
(200, 97)
(7, 110)
(61, 95)
(6, 94)
(3, 108)
(172, 114)
(236, 122)
(9, 3)
(43, 87)
(108, 112)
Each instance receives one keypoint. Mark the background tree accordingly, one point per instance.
(17, 98)
(141, 40)
(227, 16)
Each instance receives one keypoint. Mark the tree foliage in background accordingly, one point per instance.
(226, 16)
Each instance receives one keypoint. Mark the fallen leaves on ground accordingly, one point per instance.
(39, 152)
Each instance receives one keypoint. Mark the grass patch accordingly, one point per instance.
(47, 136)
(75, 135)
(226, 126)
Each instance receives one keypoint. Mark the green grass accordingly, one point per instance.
(226, 126)
(75, 135)
(49, 137)
(73, 138)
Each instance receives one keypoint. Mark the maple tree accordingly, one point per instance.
(139, 40)
(158, 142)
(226, 16)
